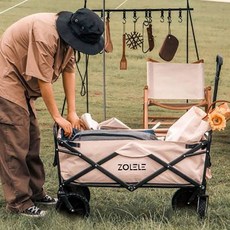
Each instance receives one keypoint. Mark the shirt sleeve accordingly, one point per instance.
(41, 51)
(70, 66)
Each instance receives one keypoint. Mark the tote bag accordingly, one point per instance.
(190, 127)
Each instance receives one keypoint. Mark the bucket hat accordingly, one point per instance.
(81, 30)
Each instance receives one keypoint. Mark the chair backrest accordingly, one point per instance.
(175, 80)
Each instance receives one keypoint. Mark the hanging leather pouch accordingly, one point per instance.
(170, 43)
(150, 37)
(169, 47)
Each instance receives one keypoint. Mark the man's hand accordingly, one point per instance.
(74, 120)
(65, 125)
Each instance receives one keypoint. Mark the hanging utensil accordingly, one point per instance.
(134, 39)
(150, 37)
(123, 62)
(108, 43)
(170, 43)
(148, 23)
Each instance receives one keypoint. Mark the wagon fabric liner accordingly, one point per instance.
(131, 163)
(129, 159)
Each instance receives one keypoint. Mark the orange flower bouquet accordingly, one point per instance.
(217, 119)
(192, 125)
(219, 116)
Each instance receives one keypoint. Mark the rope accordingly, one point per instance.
(12, 7)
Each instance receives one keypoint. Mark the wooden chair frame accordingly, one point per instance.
(169, 104)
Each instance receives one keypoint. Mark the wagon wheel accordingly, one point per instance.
(184, 198)
(73, 203)
(82, 190)
(202, 206)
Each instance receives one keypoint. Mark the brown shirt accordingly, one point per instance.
(31, 49)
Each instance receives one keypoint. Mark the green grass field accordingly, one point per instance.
(148, 208)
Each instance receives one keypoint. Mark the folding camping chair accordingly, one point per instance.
(173, 88)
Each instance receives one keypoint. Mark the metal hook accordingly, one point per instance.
(169, 21)
(180, 16)
(85, 5)
(108, 15)
(124, 17)
(124, 21)
(162, 16)
(135, 18)
(169, 16)
(102, 14)
(147, 20)
(150, 17)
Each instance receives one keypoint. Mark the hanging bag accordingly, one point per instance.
(195, 122)
(190, 127)
(169, 47)
(170, 44)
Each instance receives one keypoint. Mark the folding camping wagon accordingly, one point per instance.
(131, 159)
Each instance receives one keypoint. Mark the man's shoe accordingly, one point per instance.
(47, 200)
(33, 211)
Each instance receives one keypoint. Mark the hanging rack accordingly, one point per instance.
(187, 9)
(143, 9)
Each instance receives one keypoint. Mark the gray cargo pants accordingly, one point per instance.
(21, 169)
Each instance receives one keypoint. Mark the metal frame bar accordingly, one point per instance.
(143, 9)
